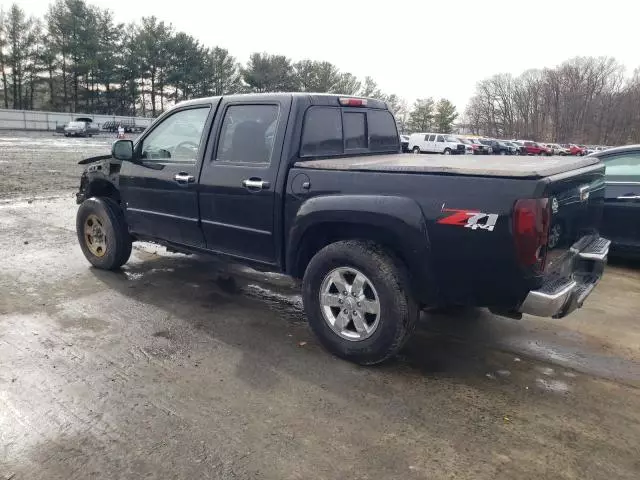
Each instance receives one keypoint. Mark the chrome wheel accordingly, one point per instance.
(94, 236)
(350, 304)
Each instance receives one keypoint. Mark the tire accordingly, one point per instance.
(447, 151)
(389, 281)
(115, 248)
(416, 149)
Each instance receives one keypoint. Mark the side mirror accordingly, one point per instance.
(122, 150)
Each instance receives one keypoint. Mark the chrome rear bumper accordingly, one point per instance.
(561, 295)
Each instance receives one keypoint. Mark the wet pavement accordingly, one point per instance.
(181, 367)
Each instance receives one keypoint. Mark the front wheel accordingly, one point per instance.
(358, 301)
(447, 151)
(416, 149)
(103, 234)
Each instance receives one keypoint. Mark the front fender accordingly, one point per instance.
(398, 219)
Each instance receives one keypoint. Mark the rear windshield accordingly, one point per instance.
(331, 131)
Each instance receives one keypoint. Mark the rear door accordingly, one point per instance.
(237, 183)
(160, 193)
(621, 222)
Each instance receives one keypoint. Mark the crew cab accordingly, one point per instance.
(315, 186)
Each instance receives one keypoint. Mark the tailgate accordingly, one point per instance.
(576, 199)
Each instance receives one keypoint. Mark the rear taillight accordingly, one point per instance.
(531, 218)
(353, 102)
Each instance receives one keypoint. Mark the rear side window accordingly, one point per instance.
(432, 138)
(322, 133)
(334, 131)
(623, 167)
(355, 135)
(382, 131)
(247, 134)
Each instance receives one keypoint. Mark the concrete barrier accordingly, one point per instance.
(39, 120)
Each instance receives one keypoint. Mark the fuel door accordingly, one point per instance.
(300, 185)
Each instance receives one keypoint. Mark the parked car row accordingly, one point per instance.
(447, 144)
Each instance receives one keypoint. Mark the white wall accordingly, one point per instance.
(36, 120)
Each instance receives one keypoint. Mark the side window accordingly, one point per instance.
(247, 134)
(432, 138)
(322, 134)
(426, 138)
(355, 135)
(177, 138)
(624, 167)
(440, 138)
(383, 133)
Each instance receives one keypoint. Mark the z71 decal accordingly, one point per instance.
(469, 219)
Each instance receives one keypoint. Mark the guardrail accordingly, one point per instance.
(42, 120)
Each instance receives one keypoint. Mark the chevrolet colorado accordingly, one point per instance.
(314, 186)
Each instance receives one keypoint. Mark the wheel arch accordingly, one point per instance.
(395, 223)
(101, 187)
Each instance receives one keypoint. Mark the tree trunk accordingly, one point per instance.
(4, 84)
(65, 98)
(51, 97)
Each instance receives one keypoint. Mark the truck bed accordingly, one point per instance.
(476, 165)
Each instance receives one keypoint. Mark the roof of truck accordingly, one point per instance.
(315, 98)
(478, 165)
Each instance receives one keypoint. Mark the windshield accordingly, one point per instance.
(485, 142)
(464, 140)
(76, 124)
(450, 138)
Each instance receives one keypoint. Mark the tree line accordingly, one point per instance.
(78, 58)
(586, 100)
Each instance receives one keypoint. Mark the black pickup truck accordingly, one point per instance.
(314, 186)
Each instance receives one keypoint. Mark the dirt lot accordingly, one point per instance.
(169, 370)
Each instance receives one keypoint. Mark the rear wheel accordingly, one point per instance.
(416, 149)
(103, 234)
(358, 301)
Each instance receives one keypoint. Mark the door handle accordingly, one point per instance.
(629, 197)
(255, 184)
(183, 178)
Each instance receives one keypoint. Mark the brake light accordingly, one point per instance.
(531, 218)
(353, 102)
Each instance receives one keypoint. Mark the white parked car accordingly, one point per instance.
(436, 143)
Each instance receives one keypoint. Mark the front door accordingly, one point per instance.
(439, 145)
(238, 180)
(160, 191)
(621, 219)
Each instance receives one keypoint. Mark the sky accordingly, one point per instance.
(414, 49)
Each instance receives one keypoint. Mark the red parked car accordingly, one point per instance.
(533, 148)
(575, 149)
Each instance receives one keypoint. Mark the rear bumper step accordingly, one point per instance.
(559, 296)
(596, 250)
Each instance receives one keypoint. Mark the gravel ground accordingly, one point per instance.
(39, 163)
(182, 368)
